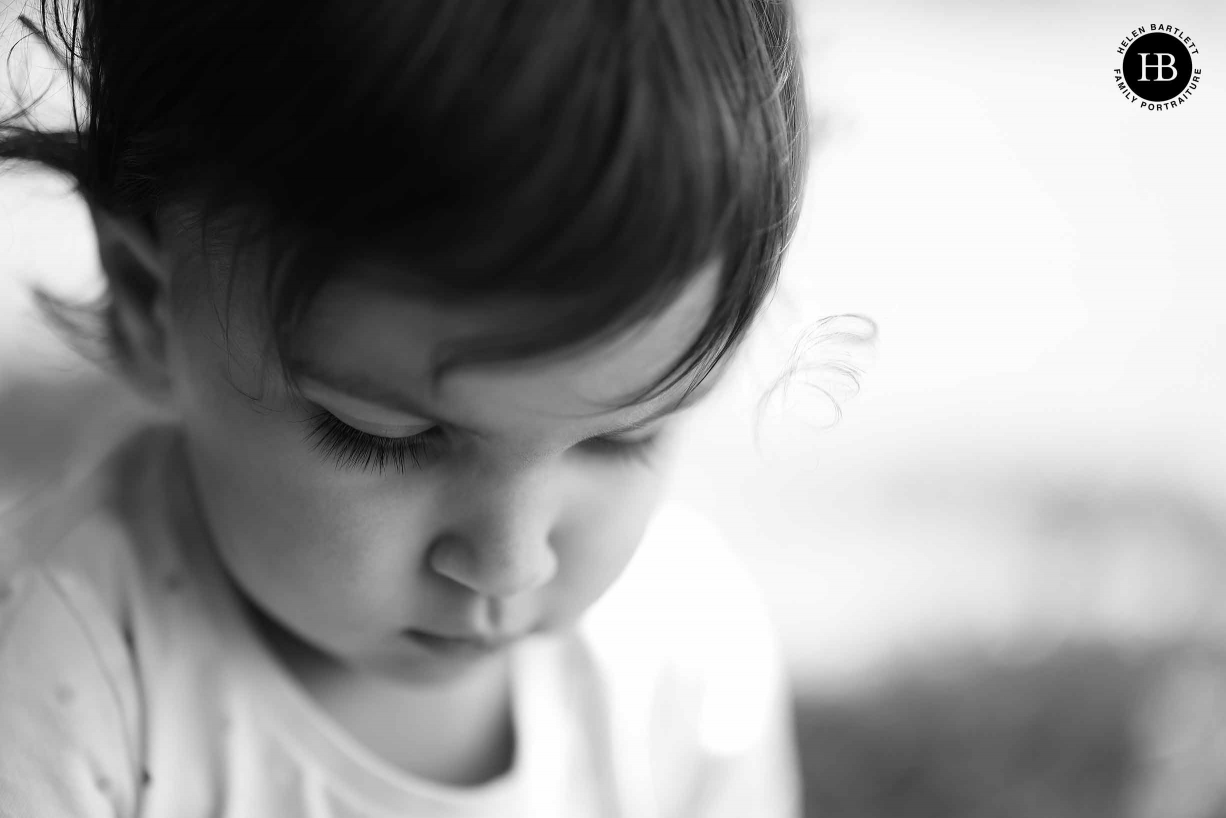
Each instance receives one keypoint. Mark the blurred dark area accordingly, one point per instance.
(1089, 730)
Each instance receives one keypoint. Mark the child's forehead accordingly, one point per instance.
(359, 334)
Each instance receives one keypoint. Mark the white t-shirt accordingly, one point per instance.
(132, 685)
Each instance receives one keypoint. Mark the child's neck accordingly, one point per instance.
(463, 735)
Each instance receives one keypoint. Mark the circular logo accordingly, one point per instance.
(1157, 70)
(1157, 67)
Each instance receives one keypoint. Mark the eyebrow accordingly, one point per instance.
(368, 390)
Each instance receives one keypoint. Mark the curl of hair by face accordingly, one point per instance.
(593, 153)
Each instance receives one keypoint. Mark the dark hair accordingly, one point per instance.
(593, 152)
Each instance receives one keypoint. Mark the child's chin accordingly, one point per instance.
(418, 664)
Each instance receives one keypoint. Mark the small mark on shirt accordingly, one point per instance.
(145, 778)
(102, 783)
(173, 582)
(6, 591)
(64, 694)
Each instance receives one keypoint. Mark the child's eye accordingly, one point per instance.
(352, 448)
(639, 449)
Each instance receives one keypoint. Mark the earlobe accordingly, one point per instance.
(138, 279)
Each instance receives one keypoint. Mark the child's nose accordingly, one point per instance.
(500, 546)
(498, 566)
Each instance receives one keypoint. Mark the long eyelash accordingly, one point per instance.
(352, 448)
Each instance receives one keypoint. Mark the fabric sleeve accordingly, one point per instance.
(695, 669)
(748, 758)
(759, 776)
(729, 708)
(69, 728)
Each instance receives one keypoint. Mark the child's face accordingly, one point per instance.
(518, 523)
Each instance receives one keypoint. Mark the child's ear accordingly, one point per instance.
(138, 276)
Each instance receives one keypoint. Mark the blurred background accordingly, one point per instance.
(1000, 576)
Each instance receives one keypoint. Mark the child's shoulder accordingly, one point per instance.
(688, 614)
(74, 537)
(691, 673)
(68, 686)
(687, 581)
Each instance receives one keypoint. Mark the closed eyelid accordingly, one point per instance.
(381, 429)
(373, 396)
(356, 407)
(378, 398)
(399, 428)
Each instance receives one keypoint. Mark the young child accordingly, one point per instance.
(418, 289)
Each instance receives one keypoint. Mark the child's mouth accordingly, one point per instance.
(452, 645)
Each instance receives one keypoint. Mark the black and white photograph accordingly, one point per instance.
(612, 409)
